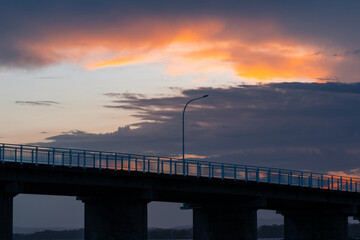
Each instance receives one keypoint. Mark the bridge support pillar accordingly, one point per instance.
(315, 224)
(224, 222)
(6, 216)
(115, 218)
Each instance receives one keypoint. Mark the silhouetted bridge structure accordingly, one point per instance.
(116, 187)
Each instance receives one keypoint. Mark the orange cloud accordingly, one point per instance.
(353, 174)
(186, 46)
(113, 62)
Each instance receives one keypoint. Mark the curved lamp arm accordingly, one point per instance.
(183, 125)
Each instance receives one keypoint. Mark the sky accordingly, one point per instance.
(282, 79)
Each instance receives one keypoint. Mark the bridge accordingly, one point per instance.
(116, 187)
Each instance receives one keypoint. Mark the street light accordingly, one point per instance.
(183, 118)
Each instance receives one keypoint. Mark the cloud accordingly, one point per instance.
(49, 77)
(256, 40)
(288, 125)
(37, 103)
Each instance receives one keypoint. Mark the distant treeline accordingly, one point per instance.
(266, 231)
(160, 233)
(277, 231)
(51, 235)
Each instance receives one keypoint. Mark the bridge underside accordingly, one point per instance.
(122, 217)
(116, 203)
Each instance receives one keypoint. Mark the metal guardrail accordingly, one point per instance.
(161, 165)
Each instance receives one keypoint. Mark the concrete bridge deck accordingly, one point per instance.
(116, 188)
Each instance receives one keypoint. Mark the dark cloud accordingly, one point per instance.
(329, 79)
(289, 125)
(124, 95)
(37, 103)
(49, 77)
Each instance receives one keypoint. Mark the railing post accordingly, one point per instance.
(222, 172)
(136, 163)
(3, 154)
(162, 166)
(15, 154)
(269, 176)
(21, 154)
(184, 168)
(100, 160)
(338, 185)
(210, 170)
(246, 174)
(53, 157)
(322, 181)
(279, 180)
(115, 159)
(197, 169)
(36, 155)
(302, 179)
(107, 161)
(170, 161)
(144, 164)
(290, 178)
(346, 185)
(122, 163)
(32, 156)
(310, 181)
(350, 184)
(84, 159)
(78, 160)
(355, 186)
(158, 166)
(49, 157)
(332, 182)
(70, 158)
(235, 172)
(94, 158)
(257, 175)
(129, 162)
(341, 187)
(148, 161)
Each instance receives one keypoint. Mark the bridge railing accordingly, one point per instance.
(39, 155)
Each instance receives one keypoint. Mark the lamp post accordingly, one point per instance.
(183, 135)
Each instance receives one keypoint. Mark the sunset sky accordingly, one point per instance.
(114, 75)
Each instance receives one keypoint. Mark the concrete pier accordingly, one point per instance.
(6, 216)
(228, 222)
(115, 218)
(315, 224)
